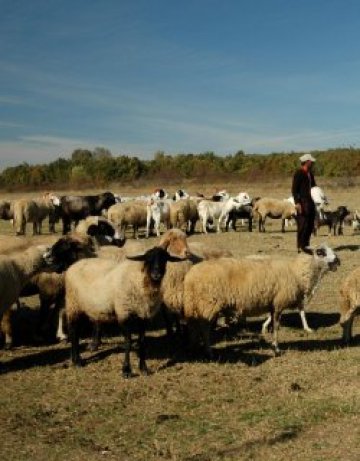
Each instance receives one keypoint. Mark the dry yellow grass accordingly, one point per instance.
(247, 405)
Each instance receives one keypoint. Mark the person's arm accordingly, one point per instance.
(296, 187)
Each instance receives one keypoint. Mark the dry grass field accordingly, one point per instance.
(246, 405)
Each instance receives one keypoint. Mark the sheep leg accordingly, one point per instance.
(126, 368)
(266, 324)
(204, 327)
(283, 225)
(73, 327)
(275, 344)
(96, 337)
(304, 321)
(6, 329)
(142, 347)
(347, 331)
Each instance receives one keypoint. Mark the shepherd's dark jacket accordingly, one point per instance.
(301, 190)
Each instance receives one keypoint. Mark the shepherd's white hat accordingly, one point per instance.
(306, 157)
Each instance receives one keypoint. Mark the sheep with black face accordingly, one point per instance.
(129, 291)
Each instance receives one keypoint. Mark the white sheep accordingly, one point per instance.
(273, 208)
(105, 289)
(349, 303)
(209, 210)
(157, 211)
(252, 287)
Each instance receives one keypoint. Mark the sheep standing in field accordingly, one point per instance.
(184, 215)
(128, 291)
(50, 288)
(274, 208)
(50, 285)
(46, 209)
(157, 211)
(349, 303)
(172, 287)
(252, 287)
(16, 271)
(127, 214)
(25, 211)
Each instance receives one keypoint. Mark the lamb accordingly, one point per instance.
(349, 303)
(128, 214)
(128, 291)
(275, 209)
(252, 287)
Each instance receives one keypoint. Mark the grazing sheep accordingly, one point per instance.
(127, 291)
(127, 214)
(349, 303)
(252, 287)
(273, 208)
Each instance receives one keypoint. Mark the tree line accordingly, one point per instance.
(100, 168)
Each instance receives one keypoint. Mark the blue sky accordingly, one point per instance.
(138, 76)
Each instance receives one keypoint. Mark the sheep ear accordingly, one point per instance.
(137, 257)
(175, 259)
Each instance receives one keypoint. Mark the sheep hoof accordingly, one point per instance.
(8, 346)
(309, 330)
(78, 363)
(145, 371)
(126, 372)
(93, 347)
(277, 352)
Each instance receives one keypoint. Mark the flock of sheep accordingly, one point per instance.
(95, 271)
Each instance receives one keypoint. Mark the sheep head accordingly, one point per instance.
(326, 255)
(155, 261)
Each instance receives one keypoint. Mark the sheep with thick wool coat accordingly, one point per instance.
(25, 211)
(349, 303)
(273, 208)
(126, 291)
(126, 214)
(50, 287)
(184, 214)
(252, 287)
(15, 271)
